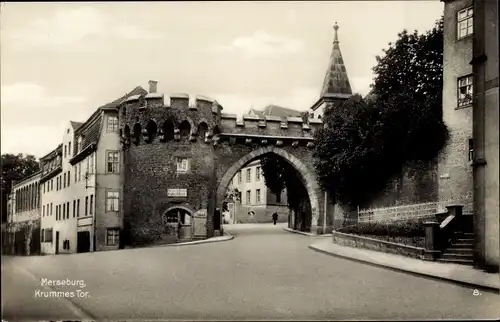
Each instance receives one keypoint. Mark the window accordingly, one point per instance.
(48, 235)
(86, 205)
(57, 212)
(465, 22)
(182, 165)
(63, 212)
(69, 149)
(112, 200)
(249, 173)
(64, 182)
(69, 178)
(113, 236)
(78, 208)
(257, 174)
(51, 208)
(471, 150)
(249, 196)
(79, 145)
(42, 235)
(43, 211)
(76, 173)
(74, 208)
(113, 162)
(465, 91)
(67, 209)
(44, 188)
(91, 163)
(52, 184)
(112, 124)
(91, 204)
(257, 195)
(79, 171)
(65, 150)
(239, 176)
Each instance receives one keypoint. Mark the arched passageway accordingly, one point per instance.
(304, 208)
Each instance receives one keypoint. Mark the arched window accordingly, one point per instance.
(137, 133)
(202, 130)
(185, 130)
(168, 130)
(152, 129)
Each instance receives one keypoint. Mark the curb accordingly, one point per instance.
(397, 269)
(304, 233)
(226, 237)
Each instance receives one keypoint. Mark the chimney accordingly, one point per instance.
(152, 86)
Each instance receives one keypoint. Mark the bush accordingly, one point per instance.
(410, 228)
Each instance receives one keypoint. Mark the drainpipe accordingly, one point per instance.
(325, 214)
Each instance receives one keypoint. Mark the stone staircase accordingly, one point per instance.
(460, 250)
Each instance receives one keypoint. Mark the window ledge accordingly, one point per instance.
(478, 162)
(465, 37)
(463, 106)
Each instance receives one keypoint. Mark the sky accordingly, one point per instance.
(61, 61)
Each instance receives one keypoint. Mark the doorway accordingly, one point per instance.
(57, 242)
(83, 242)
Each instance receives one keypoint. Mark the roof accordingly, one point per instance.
(76, 125)
(336, 80)
(91, 129)
(275, 110)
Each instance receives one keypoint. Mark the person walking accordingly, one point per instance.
(275, 217)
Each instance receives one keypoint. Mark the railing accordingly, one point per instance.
(412, 211)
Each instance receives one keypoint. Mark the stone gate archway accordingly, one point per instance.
(305, 173)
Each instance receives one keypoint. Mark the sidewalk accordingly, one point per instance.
(461, 274)
(204, 241)
(290, 230)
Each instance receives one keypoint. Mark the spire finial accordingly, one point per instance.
(336, 38)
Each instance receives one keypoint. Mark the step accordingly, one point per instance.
(456, 261)
(447, 255)
(460, 250)
(462, 245)
(462, 234)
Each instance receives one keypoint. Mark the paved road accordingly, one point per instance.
(263, 273)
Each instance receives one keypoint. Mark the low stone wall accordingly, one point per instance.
(376, 244)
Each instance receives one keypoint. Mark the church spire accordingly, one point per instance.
(336, 83)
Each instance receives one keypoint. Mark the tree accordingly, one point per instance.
(15, 168)
(279, 175)
(367, 142)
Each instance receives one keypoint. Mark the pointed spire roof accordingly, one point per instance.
(336, 83)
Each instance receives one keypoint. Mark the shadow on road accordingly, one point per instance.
(255, 229)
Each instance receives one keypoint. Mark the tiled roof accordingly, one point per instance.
(275, 110)
(76, 125)
(336, 80)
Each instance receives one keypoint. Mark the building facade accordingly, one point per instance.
(81, 186)
(485, 114)
(23, 221)
(256, 203)
(455, 162)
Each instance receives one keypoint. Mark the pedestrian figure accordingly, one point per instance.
(275, 217)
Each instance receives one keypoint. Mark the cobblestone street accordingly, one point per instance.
(263, 273)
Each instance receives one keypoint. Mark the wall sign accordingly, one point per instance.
(177, 192)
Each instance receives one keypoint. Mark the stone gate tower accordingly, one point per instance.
(168, 160)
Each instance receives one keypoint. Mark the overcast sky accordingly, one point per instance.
(60, 61)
